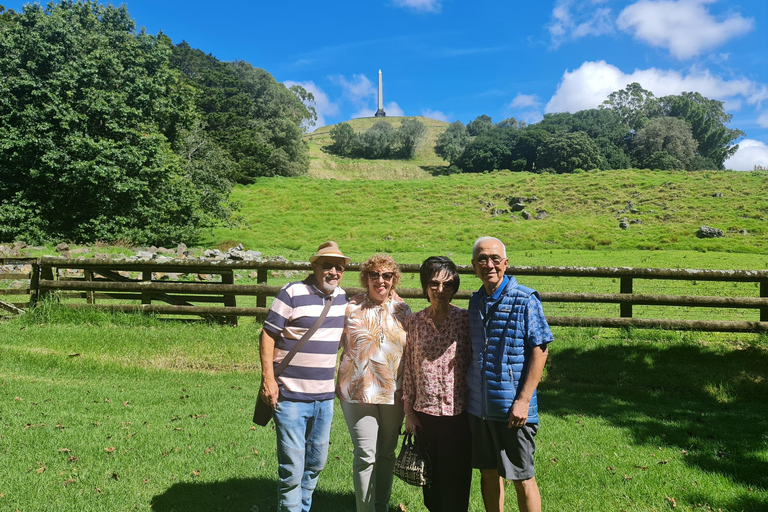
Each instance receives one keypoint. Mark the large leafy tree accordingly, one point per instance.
(409, 134)
(665, 143)
(451, 143)
(493, 149)
(634, 105)
(89, 113)
(707, 119)
(258, 121)
(568, 152)
(479, 125)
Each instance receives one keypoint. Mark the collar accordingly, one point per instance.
(499, 290)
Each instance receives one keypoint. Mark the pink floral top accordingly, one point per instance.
(436, 363)
(370, 370)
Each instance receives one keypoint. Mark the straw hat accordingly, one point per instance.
(329, 249)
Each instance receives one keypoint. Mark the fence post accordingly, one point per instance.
(625, 310)
(46, 273)
(34, 284)
(764, 294)
(146, 298)
(89, 295)
(261, 278)
(228, 277)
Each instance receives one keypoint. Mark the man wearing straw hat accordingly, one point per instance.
(302, 395)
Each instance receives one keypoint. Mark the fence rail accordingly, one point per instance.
(143, 286)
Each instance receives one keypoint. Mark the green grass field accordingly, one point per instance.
(122, 412)
(415, 218)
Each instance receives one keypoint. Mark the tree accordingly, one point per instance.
(565, 153)
(409, 134)
(89, 113)
(344, 139)
(634, 104)
(377, 141)
(707, 119)
(669, 135)
(491, 150)
(249, 114)
(511, 122)
(480, 124)
(452, 142)
(528, 145)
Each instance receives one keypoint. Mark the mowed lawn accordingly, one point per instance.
(121, 412)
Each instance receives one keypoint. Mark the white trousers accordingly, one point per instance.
(374, 430)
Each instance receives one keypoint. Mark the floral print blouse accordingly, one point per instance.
(370, 370)
(436, 363)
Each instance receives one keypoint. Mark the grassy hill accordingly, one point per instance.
(325, 165)
(580, 215)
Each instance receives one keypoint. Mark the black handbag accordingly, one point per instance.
(412, 465)
(262, 413)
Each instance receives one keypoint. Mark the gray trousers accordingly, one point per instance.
(374, 430)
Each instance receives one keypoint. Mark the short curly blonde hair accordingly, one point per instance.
(376, 262)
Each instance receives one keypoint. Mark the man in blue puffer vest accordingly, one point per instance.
(510, 337)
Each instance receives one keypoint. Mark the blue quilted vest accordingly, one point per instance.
(498, 352)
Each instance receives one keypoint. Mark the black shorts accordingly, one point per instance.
(508, 450)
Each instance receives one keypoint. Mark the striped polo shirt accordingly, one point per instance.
(310, 374)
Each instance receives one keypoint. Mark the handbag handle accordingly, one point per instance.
(287, 359)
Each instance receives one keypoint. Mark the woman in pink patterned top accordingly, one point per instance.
(436, 360)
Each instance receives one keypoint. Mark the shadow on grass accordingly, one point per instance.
(240, 494)
(438, 170)
(708, 404)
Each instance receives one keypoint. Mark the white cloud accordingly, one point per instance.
(750, 153)
(762, 121)
(420, 5)
(359, 90)
(573, 19)
(684, 27)
(323, 106)
(589, 85)
(436, 114)
(393, 109)
(525, 101)
(531, 117)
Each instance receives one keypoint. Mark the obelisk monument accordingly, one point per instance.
(380, 112)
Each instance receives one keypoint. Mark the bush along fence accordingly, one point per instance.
(208, 289)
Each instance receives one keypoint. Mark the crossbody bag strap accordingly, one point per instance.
(287, 359)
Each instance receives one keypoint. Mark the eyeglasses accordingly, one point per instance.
(338, 266)
(483, 260)
(435, 285)
(387, 276)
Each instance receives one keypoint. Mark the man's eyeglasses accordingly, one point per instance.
(435, 285)
(387, 276)
(338, 266)
(483, 260)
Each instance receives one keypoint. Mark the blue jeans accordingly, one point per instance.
(303, 431)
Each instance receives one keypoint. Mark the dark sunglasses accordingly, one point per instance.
(387, 276)
(338, 266)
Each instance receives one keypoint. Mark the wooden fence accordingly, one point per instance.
(208, 289)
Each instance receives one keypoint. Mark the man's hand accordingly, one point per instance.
(269, 392)
(518, 415)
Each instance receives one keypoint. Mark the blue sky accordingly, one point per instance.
(455, 60)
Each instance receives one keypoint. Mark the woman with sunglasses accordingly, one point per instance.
(435, 362)
(370, 379)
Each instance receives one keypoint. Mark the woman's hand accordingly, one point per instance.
(412, 423)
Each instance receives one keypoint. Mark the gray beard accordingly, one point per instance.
(326, 288)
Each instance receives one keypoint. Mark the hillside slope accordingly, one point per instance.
(325, 165)
(663, 210)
